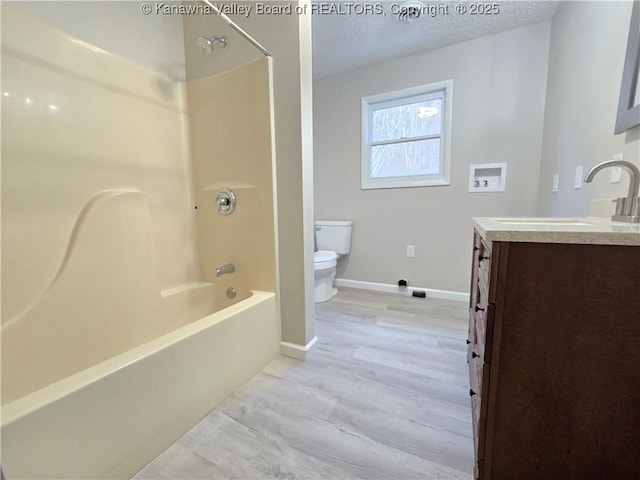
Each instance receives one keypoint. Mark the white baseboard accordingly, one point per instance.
(390, 288)
(301, 352)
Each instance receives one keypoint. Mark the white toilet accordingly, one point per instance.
(333, 239)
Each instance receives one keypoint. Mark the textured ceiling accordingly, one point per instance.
(346, 41)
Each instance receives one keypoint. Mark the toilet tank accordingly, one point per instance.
(333, 235)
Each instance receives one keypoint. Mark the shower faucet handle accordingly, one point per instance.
(225, 201)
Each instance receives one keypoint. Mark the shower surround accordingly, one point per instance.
(116, 335)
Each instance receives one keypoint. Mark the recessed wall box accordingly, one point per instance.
(487, 177)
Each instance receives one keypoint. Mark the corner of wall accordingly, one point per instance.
(306, 107)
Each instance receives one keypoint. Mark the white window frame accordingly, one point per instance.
(372, 103)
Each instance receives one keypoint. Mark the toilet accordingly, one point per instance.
(333, 239)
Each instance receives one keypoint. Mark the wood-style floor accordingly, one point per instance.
(385, 395)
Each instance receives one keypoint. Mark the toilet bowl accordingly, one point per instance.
(334, 240)
(324, 268)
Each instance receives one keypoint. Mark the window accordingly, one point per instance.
(406, 137)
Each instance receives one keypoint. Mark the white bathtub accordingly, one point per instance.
(111, 419)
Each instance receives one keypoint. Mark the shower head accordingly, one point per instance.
(206, 43)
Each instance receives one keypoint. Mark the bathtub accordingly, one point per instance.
(111, 419)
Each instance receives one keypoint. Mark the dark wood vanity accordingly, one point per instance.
(554, 360)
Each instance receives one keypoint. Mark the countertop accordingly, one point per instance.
(584, 230)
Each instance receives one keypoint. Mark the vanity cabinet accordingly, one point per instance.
(554, 360)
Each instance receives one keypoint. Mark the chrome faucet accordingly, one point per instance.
(627, 208)
(228, 268)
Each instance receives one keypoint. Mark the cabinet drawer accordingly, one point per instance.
(483, 320)
(471, 337)
(476, 339)
(483, 273)
(474, 371)
(481, 330)
(484, 256)
(483, 287)
(480, 269)
(477, 247)
(475, 417)
(478, 376)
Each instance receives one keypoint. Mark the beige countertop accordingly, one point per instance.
(586, 230)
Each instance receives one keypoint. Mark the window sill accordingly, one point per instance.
(403, 182)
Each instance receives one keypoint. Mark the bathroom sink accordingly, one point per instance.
(546, 222)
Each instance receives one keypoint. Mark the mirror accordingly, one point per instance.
(629, 105)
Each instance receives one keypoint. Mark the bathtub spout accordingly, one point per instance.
(228, 268)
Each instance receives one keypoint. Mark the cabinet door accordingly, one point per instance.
(564, 392)
(475, 382)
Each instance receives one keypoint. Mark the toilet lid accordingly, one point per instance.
(324, 256)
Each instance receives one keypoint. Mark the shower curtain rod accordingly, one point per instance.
(233, 25)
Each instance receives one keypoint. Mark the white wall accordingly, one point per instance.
(498, 95)
(154, 41)
(288, 38)
(588, 43)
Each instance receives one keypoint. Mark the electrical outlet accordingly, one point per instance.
(578, 180)
(554, 187)
(411, 251)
